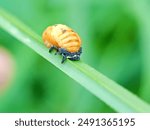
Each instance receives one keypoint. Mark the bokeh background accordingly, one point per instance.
(116, 42)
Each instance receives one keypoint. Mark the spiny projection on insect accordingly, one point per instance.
(64, 40)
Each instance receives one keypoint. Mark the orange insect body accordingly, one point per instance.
(62, 36)
(64, 40)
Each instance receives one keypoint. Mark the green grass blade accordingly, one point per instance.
(102, 87)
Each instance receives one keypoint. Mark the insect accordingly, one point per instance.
(64, 40)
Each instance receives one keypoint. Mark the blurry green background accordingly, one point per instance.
(113, 43)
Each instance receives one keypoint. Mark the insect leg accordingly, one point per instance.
(63, 59)
(80, 51)
(52, 48)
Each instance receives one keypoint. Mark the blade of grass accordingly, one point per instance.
(102, 87)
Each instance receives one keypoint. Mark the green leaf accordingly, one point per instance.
(102, 87)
